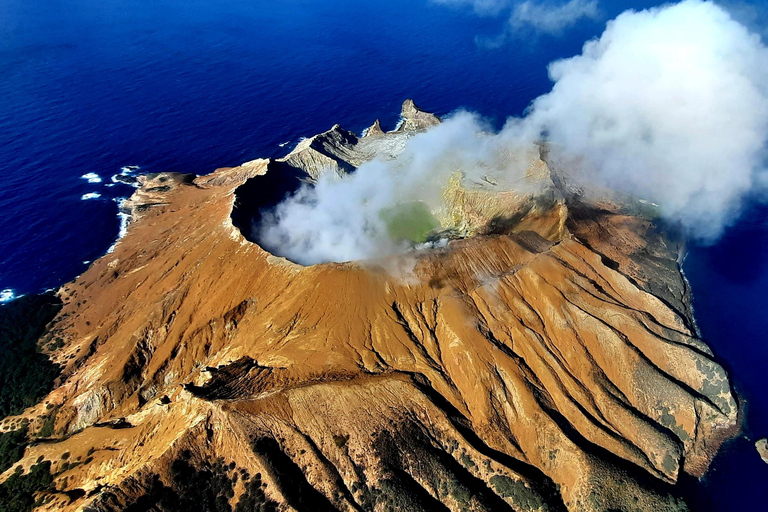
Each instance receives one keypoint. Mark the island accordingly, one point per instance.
(545, 357)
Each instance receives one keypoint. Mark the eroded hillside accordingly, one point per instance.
(545, 359)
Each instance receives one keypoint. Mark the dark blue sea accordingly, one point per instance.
(88, 87)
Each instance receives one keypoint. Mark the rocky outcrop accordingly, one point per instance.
(531, 364)
(332, 151)
(412, 118)
(761, 446)
(374, 130)
(152, 192)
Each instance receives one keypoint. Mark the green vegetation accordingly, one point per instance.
(451, 486)
(668, 420)
(402, 493)
(56, 344)
(466, 460)
(209, 488)
(17, 493)
(521, 495)
(47, 429)
(289, 478)
(669, 463)
(12, 445)
(254, 499)
(340, 440)
(26, 375)
(409, 221)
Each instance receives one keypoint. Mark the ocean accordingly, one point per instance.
(91, 89)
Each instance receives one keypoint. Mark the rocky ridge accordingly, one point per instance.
(545, 360)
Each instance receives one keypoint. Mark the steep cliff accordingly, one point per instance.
(545, 359)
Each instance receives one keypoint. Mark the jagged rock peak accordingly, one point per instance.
(415, 119)
(375, 129)
(336, 135)
(330, 150)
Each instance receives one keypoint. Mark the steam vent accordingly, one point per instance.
(545, 358)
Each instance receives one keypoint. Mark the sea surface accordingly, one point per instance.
(89, 87)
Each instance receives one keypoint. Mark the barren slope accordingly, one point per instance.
(548, 363)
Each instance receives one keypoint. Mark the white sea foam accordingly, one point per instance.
(7, 295)
(127, 170)
(283, 144)
(90, 195)
(91, 177)
(124, 218)
(124, 221)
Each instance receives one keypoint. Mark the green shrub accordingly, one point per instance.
(207, 488)
(17, 493)
(12, 446)
(340, 441)
(289, 477)
(254, 499)
(26, 375)
(521, 495)
(47, 429)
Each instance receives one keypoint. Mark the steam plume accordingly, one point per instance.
(340, 219)
(669, 104)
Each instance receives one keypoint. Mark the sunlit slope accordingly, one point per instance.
(545, 363)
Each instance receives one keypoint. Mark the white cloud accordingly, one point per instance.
(483, 7)
(669, 104)
(546, 16)
(551, 18)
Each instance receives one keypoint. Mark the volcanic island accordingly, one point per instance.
(545, 357)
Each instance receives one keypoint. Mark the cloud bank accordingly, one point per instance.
(547, 16)
(669, 104)
(552, 18)
(482, 7)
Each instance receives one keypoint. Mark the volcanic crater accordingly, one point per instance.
(545, 359)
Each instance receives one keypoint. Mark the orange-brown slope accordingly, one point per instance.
(505, 371)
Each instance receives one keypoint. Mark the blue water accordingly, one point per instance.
(89, 86)
(730, 287)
